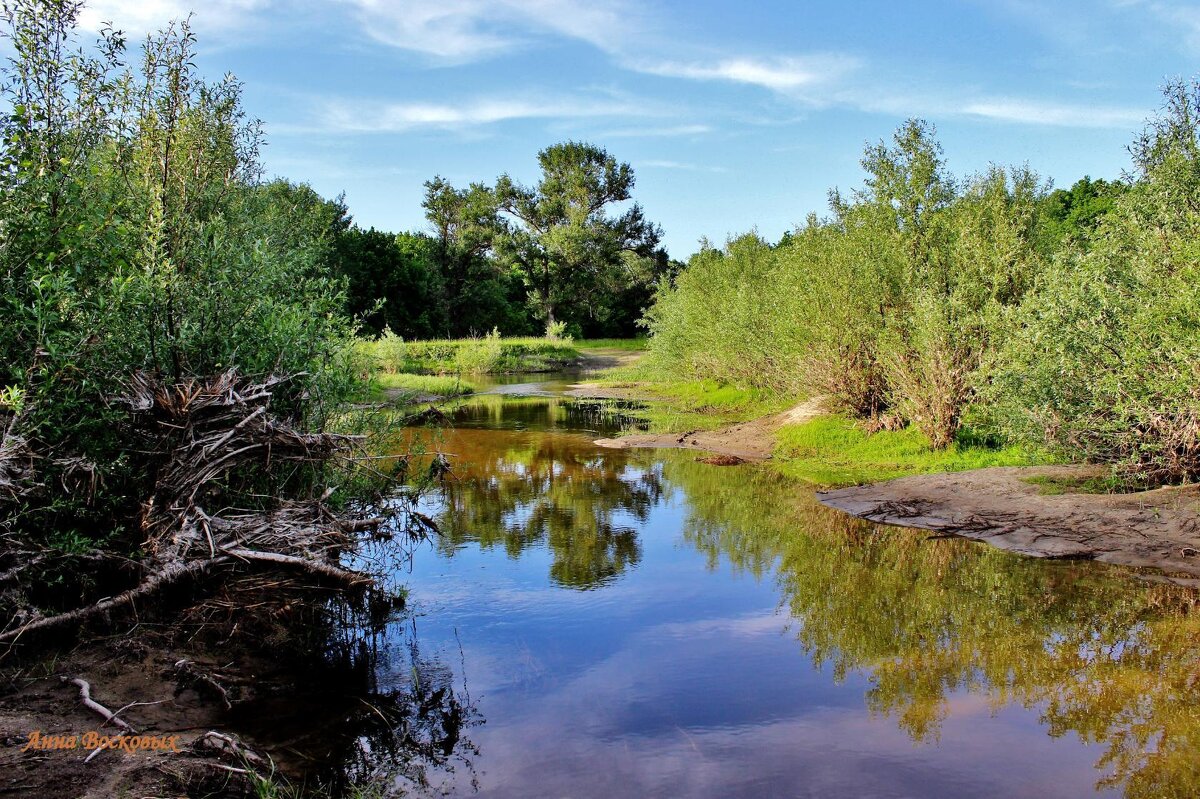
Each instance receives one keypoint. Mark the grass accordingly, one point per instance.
(1055, 485)
(630, 344)
(833, 451)
(677, 406)
(438, 385)
(489, 354)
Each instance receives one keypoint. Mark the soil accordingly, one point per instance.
(750, 441)
(1159, 529)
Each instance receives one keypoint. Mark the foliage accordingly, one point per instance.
(1072, 215)
(557, 235)
(139, 237)
(889, 308)
(1106, 363)
(424, 385)
(392, 281)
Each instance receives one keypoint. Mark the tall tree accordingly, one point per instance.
(559, 234)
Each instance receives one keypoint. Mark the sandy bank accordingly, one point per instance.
(1158, 529)
(752, 440)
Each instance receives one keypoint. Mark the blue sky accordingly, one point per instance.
(733, 115)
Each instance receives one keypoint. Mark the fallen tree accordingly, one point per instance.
(211, 444)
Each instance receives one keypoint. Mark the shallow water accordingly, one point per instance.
(619, 623)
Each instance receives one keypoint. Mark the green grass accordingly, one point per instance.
(439, 385)
(833, 451)
(485, 355)
(1055, 485)
(682, 406)
(630, 344)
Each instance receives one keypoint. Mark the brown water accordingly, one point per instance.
(612, 623)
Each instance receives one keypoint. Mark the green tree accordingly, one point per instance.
(138, 237)
(1071, 216)
(392, 282)
(1106, 362)
(559, 234)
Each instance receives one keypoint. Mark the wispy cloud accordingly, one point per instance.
(1183, 18)
(356, 116)
(657, 132)
(784, 74)
(654, 163)
(138, 17)
(469, 30)
(1063, 115)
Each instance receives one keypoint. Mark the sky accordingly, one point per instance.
(734, 116)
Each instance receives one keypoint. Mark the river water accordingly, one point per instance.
(616, 623)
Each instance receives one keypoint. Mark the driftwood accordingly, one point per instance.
(197, 433)
(85, 696)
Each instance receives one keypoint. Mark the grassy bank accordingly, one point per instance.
(833, 451)
(402, 387)
(828, 451)
(489, 354)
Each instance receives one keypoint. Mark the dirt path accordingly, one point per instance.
(751, 441)
(1159, 528)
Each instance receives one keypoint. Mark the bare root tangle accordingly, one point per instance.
(196, 433)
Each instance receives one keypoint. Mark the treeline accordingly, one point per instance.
(513, 258)
(985, 305)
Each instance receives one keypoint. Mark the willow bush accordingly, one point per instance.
(139, 237)
(889, 307)
(1106, 362)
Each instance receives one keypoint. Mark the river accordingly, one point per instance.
(609, 623)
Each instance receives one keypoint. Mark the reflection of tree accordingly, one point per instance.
(351, 737)
(517, 490)
(1111, 659)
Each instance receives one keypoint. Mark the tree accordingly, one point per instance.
(392, 282)
(559, 235)
(465, 223)
(1073, 215)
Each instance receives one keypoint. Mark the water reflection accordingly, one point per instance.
(1114, 660)
(668, 680)
(532, 485)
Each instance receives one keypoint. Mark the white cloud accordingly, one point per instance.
(138, 17)
(787, 75)
(1041, 113)
(347, 116)
(654, 163)
(1183, 19)
(469, 30)
(664, 131)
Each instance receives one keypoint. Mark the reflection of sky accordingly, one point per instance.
(677, 679)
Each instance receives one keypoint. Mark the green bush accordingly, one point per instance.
(1106, 361)
(139, 237)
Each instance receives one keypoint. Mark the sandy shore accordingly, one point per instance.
(1159, 529)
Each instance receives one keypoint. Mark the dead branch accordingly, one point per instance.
(85, 696)
(316, 567)
(195, 434)
(171, 573)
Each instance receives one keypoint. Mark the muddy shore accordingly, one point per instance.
(1002, 506)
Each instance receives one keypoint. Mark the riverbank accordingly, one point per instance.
(1010, 509)
(1002, 496)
